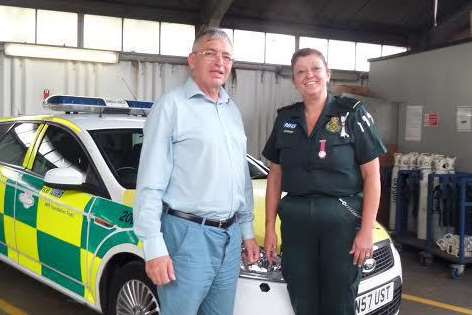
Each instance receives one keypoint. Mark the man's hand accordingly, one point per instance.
(270, 245)
(251, 251)
(160, 270)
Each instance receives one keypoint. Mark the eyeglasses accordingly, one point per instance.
(213, 55)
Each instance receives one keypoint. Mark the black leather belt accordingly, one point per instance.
(223, 224)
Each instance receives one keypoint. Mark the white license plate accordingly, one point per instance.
(374, 299)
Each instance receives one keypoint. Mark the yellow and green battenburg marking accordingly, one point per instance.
(3, 182)
(7, 223)
(55, 237)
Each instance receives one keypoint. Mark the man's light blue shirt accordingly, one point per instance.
(194, 159)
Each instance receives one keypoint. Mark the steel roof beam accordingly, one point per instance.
(446, 30)
(212, 12)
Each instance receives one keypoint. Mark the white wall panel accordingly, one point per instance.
(439, 80)
(259, 94)
(22, 80)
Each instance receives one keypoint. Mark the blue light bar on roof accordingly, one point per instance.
(66, 100)
(83, 104)
(139, 104)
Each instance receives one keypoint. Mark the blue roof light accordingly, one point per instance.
(67, 103)
(75, 100)
(139, 104)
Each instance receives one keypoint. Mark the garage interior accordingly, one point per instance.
(419, 96)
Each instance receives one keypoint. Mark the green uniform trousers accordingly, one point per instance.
(317, 235)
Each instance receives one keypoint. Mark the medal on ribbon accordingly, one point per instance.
(322, 152)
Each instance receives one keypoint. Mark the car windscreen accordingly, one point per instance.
(121, 149)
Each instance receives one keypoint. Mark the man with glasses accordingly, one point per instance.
(194, 202)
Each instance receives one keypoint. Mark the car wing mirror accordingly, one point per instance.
(64, 178)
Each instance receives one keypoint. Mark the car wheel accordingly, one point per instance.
(132, 293)
(457, 271)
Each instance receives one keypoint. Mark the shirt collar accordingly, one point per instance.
(191, 89)
(332, 108)
(328, 109)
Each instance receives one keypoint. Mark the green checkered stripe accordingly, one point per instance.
(3, 244)
(116, 214)
(61, 261)
(92, 237)
(6, 214)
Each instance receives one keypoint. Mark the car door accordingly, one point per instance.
(63, 214)
(16, 223)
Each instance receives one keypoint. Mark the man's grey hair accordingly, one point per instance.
(209, 34)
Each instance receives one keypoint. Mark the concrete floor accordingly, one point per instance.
(30, 297)
(434, 283)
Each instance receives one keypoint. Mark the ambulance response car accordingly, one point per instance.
(67, 185)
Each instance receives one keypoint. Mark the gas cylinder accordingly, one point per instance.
(444, 197)
(424, 165)
(397, 157)
(412, 207)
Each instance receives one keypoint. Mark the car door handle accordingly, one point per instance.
(103, 223)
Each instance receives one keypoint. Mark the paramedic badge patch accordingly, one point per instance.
(334, 125)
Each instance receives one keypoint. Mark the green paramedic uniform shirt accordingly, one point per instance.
(328, 161)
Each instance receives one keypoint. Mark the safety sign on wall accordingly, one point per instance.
(413, 125)
(431, 119)
(464, 118)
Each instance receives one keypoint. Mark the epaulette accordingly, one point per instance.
(288, 107)
(348, 103)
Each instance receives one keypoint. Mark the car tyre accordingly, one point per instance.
(132, 292)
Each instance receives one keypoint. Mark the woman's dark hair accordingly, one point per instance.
(306, 52)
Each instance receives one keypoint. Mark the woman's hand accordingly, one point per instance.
(362, 247)
(273, 193)
(270, 244)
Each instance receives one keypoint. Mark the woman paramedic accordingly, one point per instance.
(323, 153)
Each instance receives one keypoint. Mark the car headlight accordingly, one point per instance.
(262, 270)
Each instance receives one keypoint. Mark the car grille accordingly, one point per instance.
(384, 260)
(392, 307)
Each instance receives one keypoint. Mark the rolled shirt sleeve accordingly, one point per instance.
(155, 168)
(246, 213)
(193, 159)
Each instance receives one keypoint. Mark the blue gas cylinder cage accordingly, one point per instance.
(459, 188)
(449, 193)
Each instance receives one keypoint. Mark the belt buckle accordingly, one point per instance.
(220, 224)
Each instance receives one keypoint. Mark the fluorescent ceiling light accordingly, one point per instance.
(63, 53)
